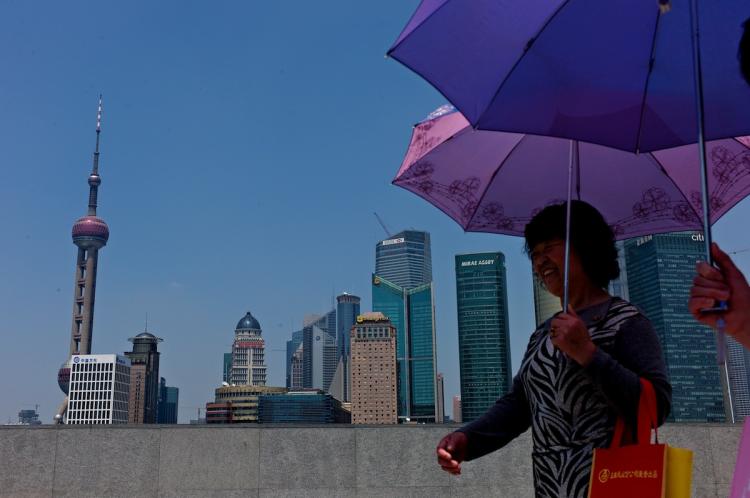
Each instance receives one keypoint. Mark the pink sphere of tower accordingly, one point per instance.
(90, 231)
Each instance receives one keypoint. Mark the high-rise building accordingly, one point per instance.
(99, 389)
(457, 415)
(483, 331)
(248, 353)
(226, 374)
(168, 403)
(311, 406)
(374, 370)
(319, 351)
(347, 310)
(619, 286)
(90, 234)
(144, 379)
(546, 304)
(660, 271)
(738, 362)
(412, 312)
(405, 259)
(292, 346)
(440, 399)
(297, 369)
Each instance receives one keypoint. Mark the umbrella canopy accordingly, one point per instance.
(616, 72)
(495, 182)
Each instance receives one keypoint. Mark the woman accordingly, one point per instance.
(581, 368)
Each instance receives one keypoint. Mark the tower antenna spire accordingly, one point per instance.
(94, 178)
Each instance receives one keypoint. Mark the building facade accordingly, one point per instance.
(457, 415)
(660, 271)
(738, 362)
(347, 311)
(301, 407)
(483, 331)
(168, 403)
(144, 379)
(90, 233)
(99, 389)
(248, 353)
(411, 312)
(405, 259)
(373, 370)
(292, 346)
(545, 303)
(238, 404)
(319, 351)
(226, 374)
(440, 398)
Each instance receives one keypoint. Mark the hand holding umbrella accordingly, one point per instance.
(570, 335)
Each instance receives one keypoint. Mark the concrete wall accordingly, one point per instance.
(273, 461)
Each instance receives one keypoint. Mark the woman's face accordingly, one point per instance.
(548, 262)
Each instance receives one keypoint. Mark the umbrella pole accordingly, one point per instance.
(573, 146)
(721, 345)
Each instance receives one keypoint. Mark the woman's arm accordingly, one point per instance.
(636, 353)
(504, 421)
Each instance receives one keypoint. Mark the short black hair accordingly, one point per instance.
(744, 52)
(590, 236)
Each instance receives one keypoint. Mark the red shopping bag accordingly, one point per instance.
(637, 470)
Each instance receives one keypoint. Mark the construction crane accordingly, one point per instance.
(385, 228)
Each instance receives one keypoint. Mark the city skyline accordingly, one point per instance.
(207, 136)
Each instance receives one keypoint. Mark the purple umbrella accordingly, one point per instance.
(616, 72)
(495, 182)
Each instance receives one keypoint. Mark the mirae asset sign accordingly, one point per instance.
(477, 262)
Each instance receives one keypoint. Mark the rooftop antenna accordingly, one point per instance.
(385, 228)
(146, 329)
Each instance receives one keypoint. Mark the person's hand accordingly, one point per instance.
(451, 451)
(725, 283)
(570, 335)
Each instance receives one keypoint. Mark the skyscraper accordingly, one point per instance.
(319, 351)
(292, 346)
(144, 379)
(440, 402)
(248, 348)
(99, 388)
(405, 259)
(483, 331)
(738, 362)
(412, 312)
(374, 373)
(90, 233)
(545, 303)
(660, 270)
(347, 310)
(168, 403)
(402, 290)
(457, 415)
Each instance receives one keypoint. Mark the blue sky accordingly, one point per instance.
(245, 146)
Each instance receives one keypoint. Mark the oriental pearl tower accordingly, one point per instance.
(90, 233)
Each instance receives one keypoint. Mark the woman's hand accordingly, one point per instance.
(726, 283)
(451, 451)
(571, 336)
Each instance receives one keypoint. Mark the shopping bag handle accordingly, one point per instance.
(647, 418)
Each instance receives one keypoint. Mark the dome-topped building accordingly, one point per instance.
(248, 353)
(248, 322)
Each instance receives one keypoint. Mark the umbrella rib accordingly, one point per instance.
(492, 178)
(669, 177)
(526, 50)
(651, 61)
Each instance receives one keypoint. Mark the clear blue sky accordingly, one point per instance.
(245, 146)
